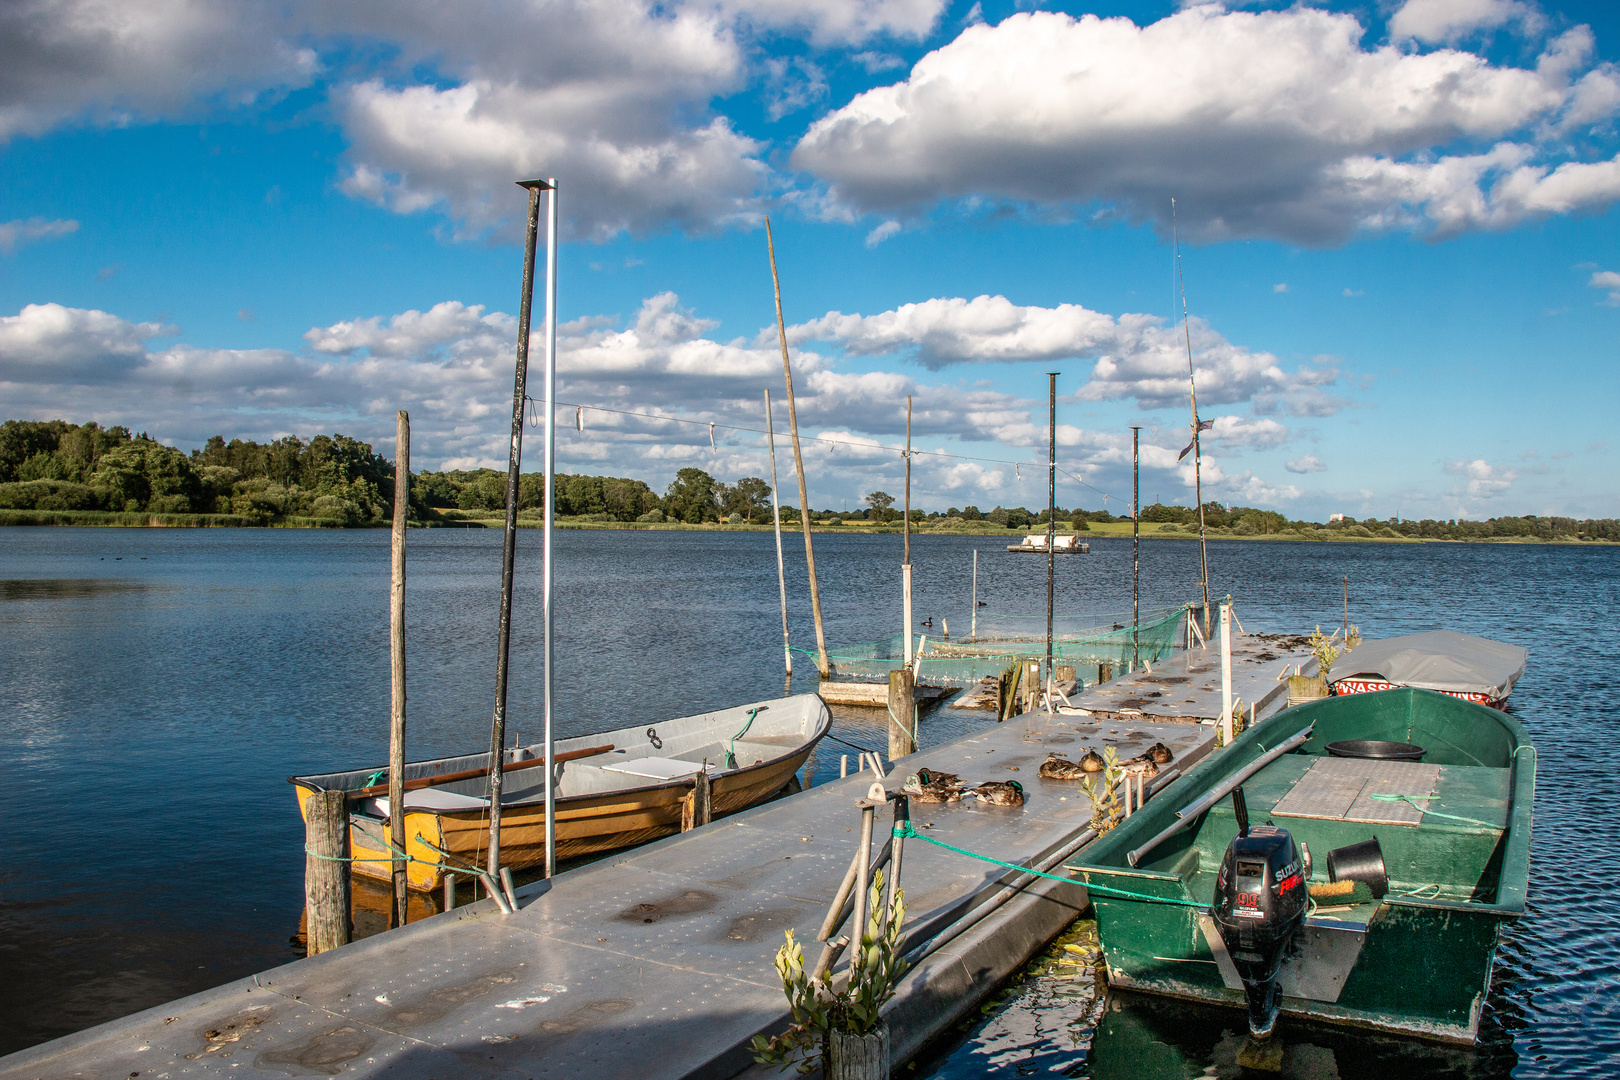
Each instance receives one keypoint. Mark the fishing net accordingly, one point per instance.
(999, 640)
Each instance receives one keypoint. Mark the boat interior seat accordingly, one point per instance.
(1463, 858)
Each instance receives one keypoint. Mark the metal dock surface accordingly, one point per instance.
(655, 963)
(1187, 685)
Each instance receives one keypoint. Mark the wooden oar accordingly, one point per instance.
(468, 774)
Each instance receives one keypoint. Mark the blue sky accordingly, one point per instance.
(1397, 223)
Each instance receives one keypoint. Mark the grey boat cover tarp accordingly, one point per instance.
(1438, 660)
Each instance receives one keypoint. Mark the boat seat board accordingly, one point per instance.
(657, 768)
(1342, 789)
(427, 799)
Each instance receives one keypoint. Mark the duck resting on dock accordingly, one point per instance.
(1000, 792)
(1143, 766)
(933, 787)
(1058, 767)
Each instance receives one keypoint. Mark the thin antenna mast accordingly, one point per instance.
(1192, 385)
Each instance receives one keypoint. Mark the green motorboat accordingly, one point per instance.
(1363, 885)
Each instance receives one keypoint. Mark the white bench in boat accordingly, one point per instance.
(429, 799)
(657, 768)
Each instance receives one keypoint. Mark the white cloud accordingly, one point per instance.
(882, 232)
(843, 22)
(1307, 463)
(108, 62)
(1280, 287)
(1480, 479)
(1270, 123)
(49, 343)
(451, 367)
(1610, 281)
(1450, 20)
(1137, 356)
(14, 234)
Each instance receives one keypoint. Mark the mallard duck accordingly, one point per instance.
(1140, 766)
(1093, 762)
(1058, 767)
(932, 787)
(1160, 754)
(1000, 792)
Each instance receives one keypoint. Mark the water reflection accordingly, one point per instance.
(74, 588)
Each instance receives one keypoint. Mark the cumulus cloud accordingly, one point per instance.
(1269, 123)
(68, 60)
(1609, 281)
(455, 101)
(451, 366)
(1138, 357)
(14, 234)
(1436, 21)
(1480, 479)
(843, 22)
(1306, 463)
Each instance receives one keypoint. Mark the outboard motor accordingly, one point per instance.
(1260, 900)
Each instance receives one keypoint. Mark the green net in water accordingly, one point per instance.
(999, 640)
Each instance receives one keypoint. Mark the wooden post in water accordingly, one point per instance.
(902, 713)
(798, 464)
(503, 645)
(696, 807)
(396, 654)
(326, 870)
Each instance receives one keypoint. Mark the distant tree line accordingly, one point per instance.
(56, 465)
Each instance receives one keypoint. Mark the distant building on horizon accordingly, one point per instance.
(1335, 517)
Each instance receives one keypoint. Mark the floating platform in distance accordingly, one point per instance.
(655, 964)
(875, 695)
(1186, 686)
(1062, 544)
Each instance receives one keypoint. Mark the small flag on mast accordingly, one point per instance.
(1203, 425)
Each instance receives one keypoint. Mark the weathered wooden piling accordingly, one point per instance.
(396, 655)
(1105, 672)
(902, 713)
(696, 809)
(326, 870)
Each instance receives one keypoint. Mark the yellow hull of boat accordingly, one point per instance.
(585, 824)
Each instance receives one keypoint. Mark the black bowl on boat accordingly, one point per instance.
(1376, 749)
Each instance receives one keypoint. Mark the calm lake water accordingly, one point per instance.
(158, 686)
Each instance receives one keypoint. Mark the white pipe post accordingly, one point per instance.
(905, 525)
(550, 501)
(973, 630)
(776, 515)
(905, 610)
(1226, 673)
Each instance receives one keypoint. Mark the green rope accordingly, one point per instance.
(912, 733)
(731, 756)
(905, 831)
(1413, 800)
(374, 777)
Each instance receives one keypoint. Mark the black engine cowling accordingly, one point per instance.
(1260, 901)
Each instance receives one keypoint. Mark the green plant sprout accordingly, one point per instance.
(818, 1009)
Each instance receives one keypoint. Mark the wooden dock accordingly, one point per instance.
(1186, 687)
(875, 695)
(656, 963)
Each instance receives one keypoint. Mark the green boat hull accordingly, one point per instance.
(1417, 965)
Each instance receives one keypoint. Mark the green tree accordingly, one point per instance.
(881, 502)
(750, 497)
(691, 497)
